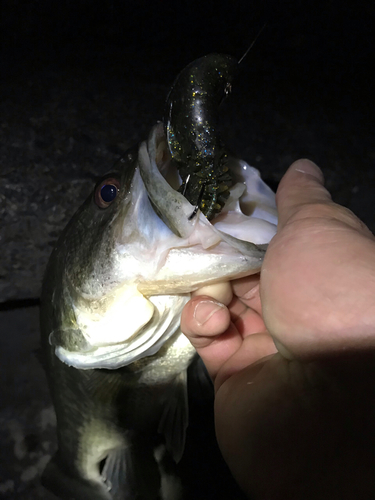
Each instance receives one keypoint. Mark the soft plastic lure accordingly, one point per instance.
(192, 134)
(191, 120)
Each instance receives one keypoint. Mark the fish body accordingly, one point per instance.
(191, 125)
(113, 293)
(108, 419)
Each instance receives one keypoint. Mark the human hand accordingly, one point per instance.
(314, 301)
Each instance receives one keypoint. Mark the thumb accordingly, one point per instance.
(303, 187)
(302, 184)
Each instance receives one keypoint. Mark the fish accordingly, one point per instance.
(113, 291)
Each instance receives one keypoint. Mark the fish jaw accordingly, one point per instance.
(119, 351)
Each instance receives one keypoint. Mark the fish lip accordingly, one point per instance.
(155, 166)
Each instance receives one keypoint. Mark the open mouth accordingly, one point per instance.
(249, 214)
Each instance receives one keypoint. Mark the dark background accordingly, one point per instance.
(81, 81)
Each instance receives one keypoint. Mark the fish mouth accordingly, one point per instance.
(198, 252)
(248, 220)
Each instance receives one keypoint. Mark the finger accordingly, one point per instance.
(247, 320)
(221, 292)
(202, 319)
(302, 184)
(247, 290)
(217, 353)
(254, 348)
(207, 325)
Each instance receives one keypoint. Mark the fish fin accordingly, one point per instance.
(175, 416)
(170, 484)
(125, 470)
(117, 467)
(68, 487)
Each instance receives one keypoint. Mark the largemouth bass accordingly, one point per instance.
(113, 292)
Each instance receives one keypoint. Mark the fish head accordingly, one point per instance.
(126, 263)
(88, 243)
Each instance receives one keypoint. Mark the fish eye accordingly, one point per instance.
(106, 192)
